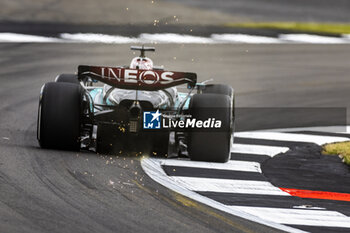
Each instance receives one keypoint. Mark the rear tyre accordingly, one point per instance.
(211, 145)
(59, 116)
(67, 78)
(224, 90)
(219, 89)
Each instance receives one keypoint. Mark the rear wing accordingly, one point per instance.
(125, 78)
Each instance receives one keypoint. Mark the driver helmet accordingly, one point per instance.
(142, 63)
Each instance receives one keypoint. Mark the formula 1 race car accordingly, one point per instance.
(137, 108)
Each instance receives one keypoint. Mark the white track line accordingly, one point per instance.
(225, 38)
(292, 137)
(258, 149)
(346, 37)
(319, 218)
(231, 165)
(98, 38)
(314, 39)
(228, 186)
(23, 38)
(154, 170)
(174, 38)
(242, 38)
(331, 129)
(347, 130)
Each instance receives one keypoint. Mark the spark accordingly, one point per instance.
(126, 183)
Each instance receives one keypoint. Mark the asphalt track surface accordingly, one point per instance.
(58, 191)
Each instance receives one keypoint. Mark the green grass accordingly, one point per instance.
(340, 148)
(324, 28)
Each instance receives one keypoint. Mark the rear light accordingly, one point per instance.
(133, 126)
